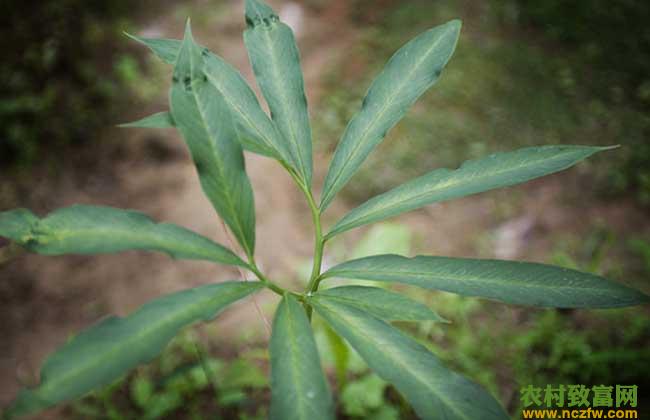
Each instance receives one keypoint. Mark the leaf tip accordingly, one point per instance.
(455, 24)
(612, 147)
(188, 29)
(133, 37)
(257, 11)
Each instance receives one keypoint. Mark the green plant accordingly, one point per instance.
(180, 382)
(218, 115)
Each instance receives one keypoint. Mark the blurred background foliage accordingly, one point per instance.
(608, 52)
(64, 73)
(525, 73)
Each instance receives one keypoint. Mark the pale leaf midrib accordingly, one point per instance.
(388, 103)
(452, 277)
(214, 81)
(278, 79)
(369, 307)
(295, 373)
(136, 338)
(233, 213)
(403, 365)
(155, 241)
(452, 182)
(243, 115)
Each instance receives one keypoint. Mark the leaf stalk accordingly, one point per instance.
(319, 240)
(262, 278)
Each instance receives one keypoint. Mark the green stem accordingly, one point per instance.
(317, 282)
(206, 370)
(318, 246)
(268, 283)
(319, 241)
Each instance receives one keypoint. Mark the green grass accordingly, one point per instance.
(180, 384)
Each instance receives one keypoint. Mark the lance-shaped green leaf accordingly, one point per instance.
(276, 62)
(103, 353)
(205, 121)
(434, 391)
(299, 390)
(157, 120)
(379, 302)
(257, 133)
(513, 282)
(474, 176)
(100, 230)
(408, 74)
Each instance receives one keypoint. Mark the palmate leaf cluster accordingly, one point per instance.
(219, 116)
